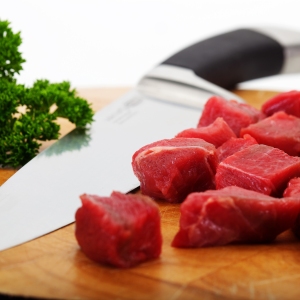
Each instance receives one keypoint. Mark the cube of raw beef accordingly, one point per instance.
(120, 230)
(293, 190)
(216, 133)
(236, 115)
(259, 168)
(280, 130)
(234, 145)
(171, 169)
(288, 102)
(233, 214)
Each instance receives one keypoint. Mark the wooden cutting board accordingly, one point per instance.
(54, 267)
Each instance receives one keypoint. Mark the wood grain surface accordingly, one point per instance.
(54, 267)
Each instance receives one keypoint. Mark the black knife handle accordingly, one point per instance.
(230, 58)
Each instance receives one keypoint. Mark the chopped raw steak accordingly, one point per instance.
(233, 214)
(280, 130)
(236, 115)
(171, 169)
(234, 145)
(259, 168)
(216, 133)
(293, 190)
(120, 230)
(288, 102)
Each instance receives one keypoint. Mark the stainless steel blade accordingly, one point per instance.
(44, 194)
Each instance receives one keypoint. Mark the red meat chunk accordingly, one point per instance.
(120, 230)
(288, 102)
(216, 133)
(234, 145)
(259, 168)
(171, 169)
(280, 130)
(293, 190)
(236, 115)
(233, 214)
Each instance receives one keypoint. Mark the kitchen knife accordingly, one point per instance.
(44, 194)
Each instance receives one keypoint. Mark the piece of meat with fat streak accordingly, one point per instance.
(170, 169)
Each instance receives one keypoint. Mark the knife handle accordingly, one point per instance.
(240, 55)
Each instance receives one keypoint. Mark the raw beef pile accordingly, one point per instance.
(257, 156)
(237, 174)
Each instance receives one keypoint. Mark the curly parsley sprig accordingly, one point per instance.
(42, 104)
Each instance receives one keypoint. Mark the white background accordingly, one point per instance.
(113, 43)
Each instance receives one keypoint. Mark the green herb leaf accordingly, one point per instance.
(21, 130)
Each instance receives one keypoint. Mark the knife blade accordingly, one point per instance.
(44, 194)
